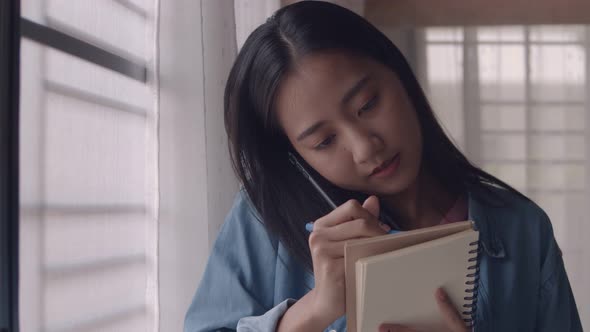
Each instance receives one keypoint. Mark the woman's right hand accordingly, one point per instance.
(349, 221)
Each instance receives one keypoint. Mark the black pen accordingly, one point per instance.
(304, 172)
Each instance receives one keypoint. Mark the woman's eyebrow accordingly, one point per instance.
(310, 130)
(355, 89)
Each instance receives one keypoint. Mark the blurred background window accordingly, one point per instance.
(515, 99)
(88, 165)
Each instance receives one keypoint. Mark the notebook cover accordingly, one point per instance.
(406, 295)
(357, 249)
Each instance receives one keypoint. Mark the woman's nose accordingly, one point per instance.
(365, 145)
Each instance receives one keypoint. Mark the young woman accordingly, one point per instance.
(321, 83)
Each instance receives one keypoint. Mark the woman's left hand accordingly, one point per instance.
(452, 318)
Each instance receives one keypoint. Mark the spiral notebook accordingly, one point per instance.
(393, 278)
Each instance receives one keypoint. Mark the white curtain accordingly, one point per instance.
(515, 99)
(197, 47)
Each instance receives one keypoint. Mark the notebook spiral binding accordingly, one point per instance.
(472, 285)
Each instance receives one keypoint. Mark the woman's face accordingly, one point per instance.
(350, 118)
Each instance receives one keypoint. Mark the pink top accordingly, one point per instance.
(458, 212)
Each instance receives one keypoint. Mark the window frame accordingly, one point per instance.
(77, 47)
(9, 163)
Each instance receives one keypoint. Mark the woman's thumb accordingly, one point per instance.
(371, 204)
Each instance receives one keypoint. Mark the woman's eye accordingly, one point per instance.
(325, 143)
(369, 105)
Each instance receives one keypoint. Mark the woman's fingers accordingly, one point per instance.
(350, 210)
(321, 246)
(371, 204)
(452, 317)
(330, 242)
(355, 229)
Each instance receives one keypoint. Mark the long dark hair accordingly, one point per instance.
(259, 148)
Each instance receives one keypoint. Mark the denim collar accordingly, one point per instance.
(482, 215)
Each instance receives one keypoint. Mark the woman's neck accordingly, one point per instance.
(423, 204)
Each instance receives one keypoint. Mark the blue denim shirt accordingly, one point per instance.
(250, 279)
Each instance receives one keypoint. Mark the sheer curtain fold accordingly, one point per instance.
(197, 45)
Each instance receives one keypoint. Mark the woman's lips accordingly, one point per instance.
(387, 169)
